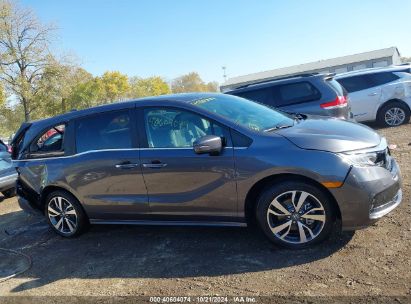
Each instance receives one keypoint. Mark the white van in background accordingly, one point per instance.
(379, 94)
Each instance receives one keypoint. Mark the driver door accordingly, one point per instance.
(181, 184)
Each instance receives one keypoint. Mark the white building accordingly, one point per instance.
(377, 58)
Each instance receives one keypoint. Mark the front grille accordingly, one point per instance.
(385, 196)
(381, 210)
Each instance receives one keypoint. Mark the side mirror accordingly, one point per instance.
(208, 144)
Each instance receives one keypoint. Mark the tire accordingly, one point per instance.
(9, 193)
(290, 229)
(393, 114)
(65, 215)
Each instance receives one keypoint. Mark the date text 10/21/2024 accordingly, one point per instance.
(203, 299)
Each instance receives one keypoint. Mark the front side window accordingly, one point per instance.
(249, 114)
(51, 140)
(172, 128)
(111, 130)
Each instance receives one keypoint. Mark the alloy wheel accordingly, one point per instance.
(296, 217)
(394, 116)
(62, 215)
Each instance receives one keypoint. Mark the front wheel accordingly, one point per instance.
(295, 214)
(65, 214)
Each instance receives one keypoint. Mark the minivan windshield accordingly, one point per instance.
(244, 112)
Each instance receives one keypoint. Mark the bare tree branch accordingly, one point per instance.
(24, 53)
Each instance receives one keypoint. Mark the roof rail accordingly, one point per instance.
(277, 78)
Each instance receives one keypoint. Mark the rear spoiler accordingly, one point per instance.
(329, 76)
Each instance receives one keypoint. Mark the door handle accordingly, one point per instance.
(154, 165)
(372, 94)
(126, 166)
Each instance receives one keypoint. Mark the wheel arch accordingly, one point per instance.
(255, 190)
(51, 188)
(390, 101)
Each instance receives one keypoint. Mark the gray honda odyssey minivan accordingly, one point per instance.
(205, 159)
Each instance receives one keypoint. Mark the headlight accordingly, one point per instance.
(366, 159)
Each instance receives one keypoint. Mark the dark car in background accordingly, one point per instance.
(4, 149)
(8, 174)
(205, 159)
(315, 94)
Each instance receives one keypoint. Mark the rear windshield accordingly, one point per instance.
(337, 87)
(296, 93)
(284, 94)
(17, 142)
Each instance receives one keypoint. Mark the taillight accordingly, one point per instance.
(10, 149)
(339, 102)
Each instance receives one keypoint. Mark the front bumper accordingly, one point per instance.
(368, 194)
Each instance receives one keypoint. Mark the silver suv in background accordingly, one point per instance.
(311, 93)
(379, 94)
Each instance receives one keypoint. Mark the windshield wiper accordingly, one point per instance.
(277, 127)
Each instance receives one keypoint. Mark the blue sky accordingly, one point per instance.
(170, 38)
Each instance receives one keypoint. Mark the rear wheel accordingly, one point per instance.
(393, 114)
(295, 214)
(64, 214)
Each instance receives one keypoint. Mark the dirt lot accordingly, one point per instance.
(132, 260)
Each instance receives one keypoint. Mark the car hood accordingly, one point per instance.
(331, 135)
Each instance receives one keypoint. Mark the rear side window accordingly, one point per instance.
(356, 83)
(293, 93)
(50, 141)
(111, 130)
(382, 78)
(261, 95)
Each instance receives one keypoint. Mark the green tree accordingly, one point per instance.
(11, 115)
(60, 83)
(87, 94)
(115, 86)
(24, 53)
(192, 82)
(151, 86)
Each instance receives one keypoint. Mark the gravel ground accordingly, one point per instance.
(132, 260)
